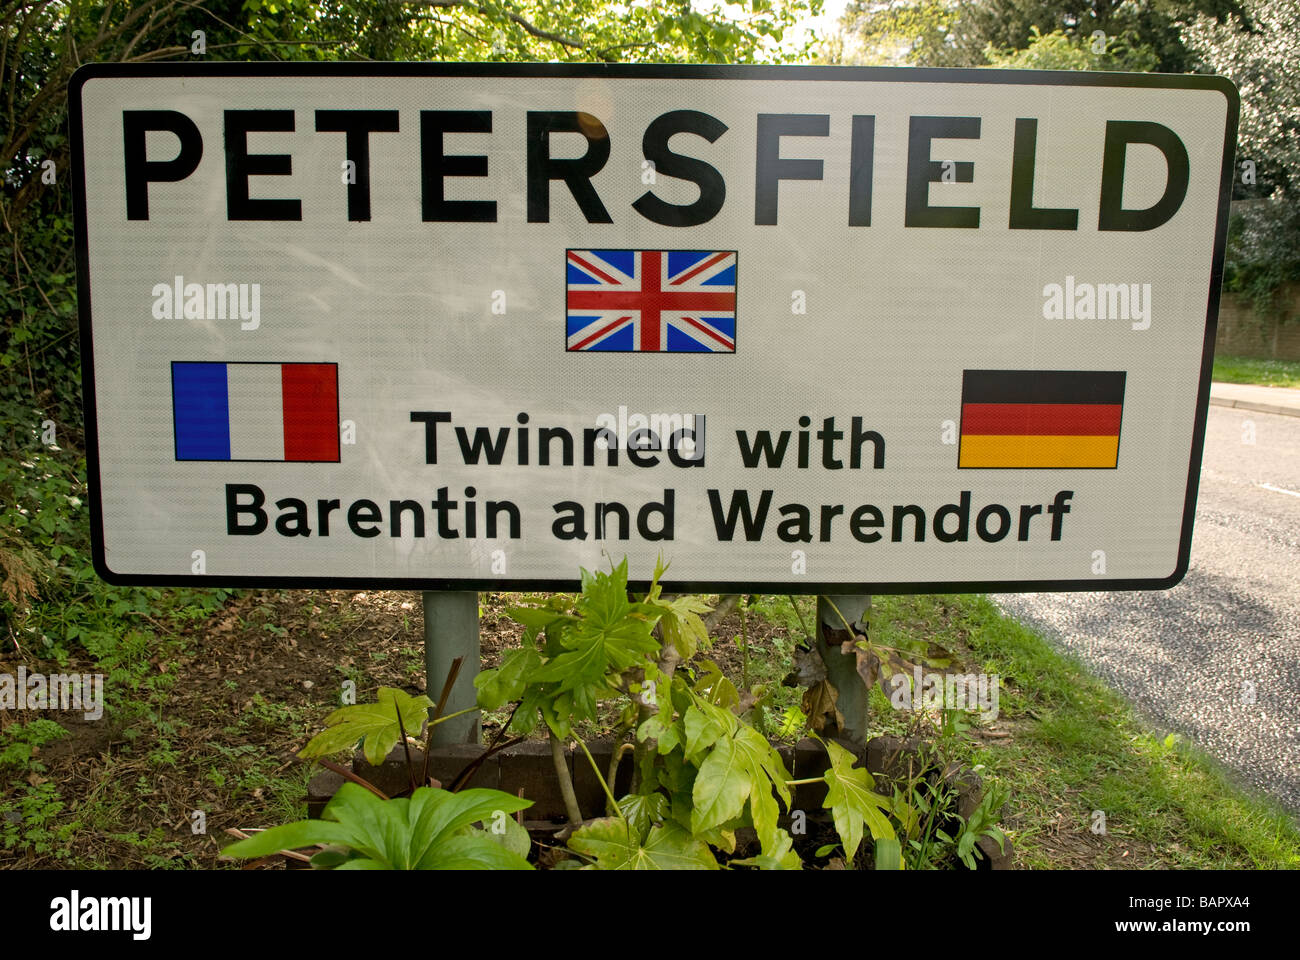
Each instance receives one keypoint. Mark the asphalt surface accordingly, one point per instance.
(1186, 657)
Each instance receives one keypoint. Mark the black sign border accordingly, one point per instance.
(647, 72)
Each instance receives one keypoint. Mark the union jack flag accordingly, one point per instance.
(651, 301)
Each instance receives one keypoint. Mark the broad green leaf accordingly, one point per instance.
(290, 836)
(889, 854)
(376, 723)
(422, 832)
(536, 619)
(781, 857)
(643, 810)
(705, 724)
(723, 837)
(513, 836)
(376, 828)
(330, 858)
(507, 682)
(475, 852)
(654, 727)
(615, 846)
(678, 778)
(679, 618)
(721, 786)
(853, 801)
(442, 814)
(714, 687)
(761, 755)
(664, 731)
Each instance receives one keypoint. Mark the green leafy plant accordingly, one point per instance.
(18, 741)
(855, 804)
(430, 830)
(378, 726)
(701, 770)
(928, 843)
(616, 844)
(982, 823)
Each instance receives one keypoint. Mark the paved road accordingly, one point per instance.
(1183, 656)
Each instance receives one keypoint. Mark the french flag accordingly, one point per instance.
(256, 411)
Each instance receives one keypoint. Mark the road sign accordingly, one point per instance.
(459, 326)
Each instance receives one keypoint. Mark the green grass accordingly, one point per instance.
(1078, 747)
(1264, 373)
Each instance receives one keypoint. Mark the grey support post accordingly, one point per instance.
(451, 631)
(842, 669)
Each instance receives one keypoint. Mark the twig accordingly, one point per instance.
(463, 777)
(347, 774)
(406, 747)
(452, 673)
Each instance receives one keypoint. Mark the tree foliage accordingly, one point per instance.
(1139, 34)
(1259, 52)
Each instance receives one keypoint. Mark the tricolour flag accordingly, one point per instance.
(651, 301)
(1041, 418)
(256, 411)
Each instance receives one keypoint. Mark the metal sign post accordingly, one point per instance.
(451, 631)
(842, 668)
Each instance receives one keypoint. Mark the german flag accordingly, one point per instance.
(1041, 418)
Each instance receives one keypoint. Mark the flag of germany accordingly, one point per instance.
(1041, 418)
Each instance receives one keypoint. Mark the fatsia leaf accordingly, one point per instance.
(809, 667)
(760, 755)
(868, 665)
(507, 682)
(376, 723)
(723, 837)
(606, 637)
(614, 846)
(853, 801)
(781, 857)
(679, 618)
(582, 664)
(714, 687)
(736, 766)
(704, 725)
(722, 786)
(819, 705)
(653, 727)
(643, 810)
(678, 778)
(537, 619)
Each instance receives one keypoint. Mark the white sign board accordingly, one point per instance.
(796, 329)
